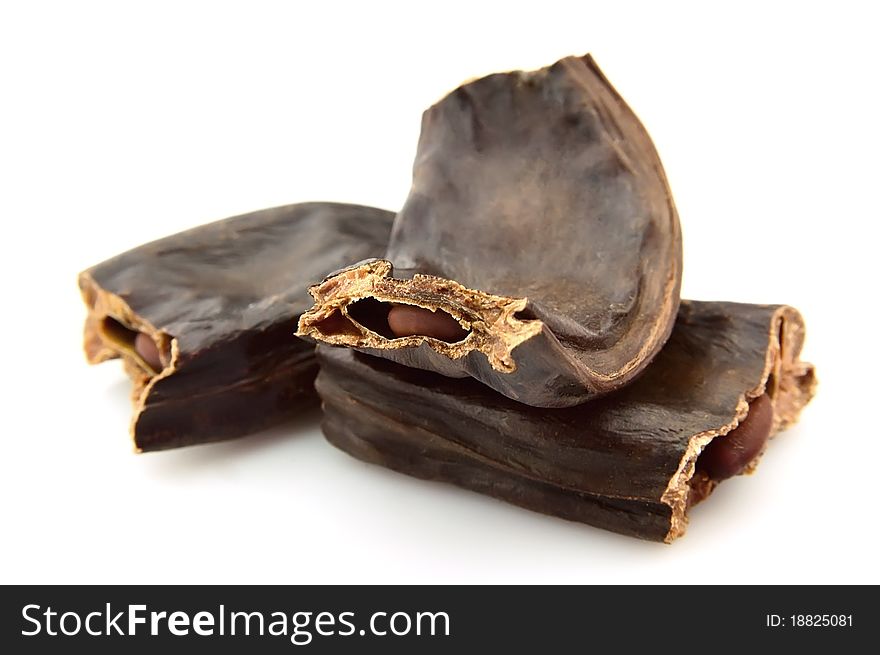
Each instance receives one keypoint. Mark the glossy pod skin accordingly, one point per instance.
(204, 320)
(627, 462)
(541, 221)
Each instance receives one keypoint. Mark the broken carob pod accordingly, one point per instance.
(632, 461)
(539, 250)
(204, 320)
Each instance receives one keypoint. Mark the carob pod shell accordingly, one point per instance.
(204, 320)
(625, 462)
(540, 218)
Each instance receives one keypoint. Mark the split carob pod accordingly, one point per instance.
(204, 319)
(539, 250)
(632, 461)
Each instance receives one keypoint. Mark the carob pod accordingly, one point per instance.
(539, 250)
(204, 319)
(728, 378)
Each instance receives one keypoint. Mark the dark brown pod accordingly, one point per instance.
(204, 320)
(541, 220)
(627, 462)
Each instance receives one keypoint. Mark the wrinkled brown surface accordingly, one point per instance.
(220, 304)
(541, 219)
(624, 462)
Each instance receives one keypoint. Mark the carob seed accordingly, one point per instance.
(147, 349)
(407, 320)
(729, 454)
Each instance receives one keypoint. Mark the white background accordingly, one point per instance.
(123, 122)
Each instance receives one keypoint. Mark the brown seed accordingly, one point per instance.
(728, 455)
(147, 349)
(407, 320)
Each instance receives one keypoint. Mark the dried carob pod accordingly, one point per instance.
(539, 250)
(204, 320)
(632, 461)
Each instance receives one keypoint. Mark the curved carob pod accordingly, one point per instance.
(204, 319)
(632, 461)
(539, 250)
